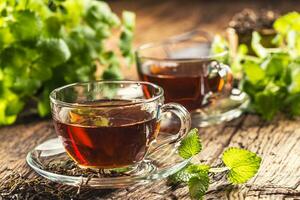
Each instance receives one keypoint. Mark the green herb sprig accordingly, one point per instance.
(45, 44)
(271, 78)
(239, 165)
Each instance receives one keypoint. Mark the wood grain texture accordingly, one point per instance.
(277, 142)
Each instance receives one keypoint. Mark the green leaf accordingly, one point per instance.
(14, 57)
(198, 185)
(52, 27)
(128, 19)
(254, 73)
(275, 64)
(5, 37)
(54, 52)
(190, 145)
(294, 104)
(112, 73)
(43, 108)
(287, 22)
(242, 164)
(41, 72)
(257, 47)
(44, 103)
(27, 26)
(294, 87)
(26, 85)
(267, 103)
(15, 105)
(99, 11)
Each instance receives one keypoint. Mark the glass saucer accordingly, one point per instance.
(160, 163)
(221, 110)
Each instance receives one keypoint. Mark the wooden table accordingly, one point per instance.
(277, 142)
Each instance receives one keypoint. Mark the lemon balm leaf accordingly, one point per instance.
(27, 25)
(198, 184)
(190, 145)
(242, 164)
(54, 52)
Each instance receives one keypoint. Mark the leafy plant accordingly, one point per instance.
(272, 77)
(49, 43)
(239, 165)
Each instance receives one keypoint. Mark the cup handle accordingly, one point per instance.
(224, 73)
(185, 123)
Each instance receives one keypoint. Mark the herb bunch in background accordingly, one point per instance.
(238, 165)
(272, 77)
(47, 44)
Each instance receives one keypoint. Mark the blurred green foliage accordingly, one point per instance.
(45, 44)
(272, 77)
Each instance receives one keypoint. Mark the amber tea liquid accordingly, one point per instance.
(186, 83)
(109, 139)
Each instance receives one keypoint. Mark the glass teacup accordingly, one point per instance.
(191, 75)
(112, 124)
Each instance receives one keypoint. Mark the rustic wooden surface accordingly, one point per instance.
(278, 142)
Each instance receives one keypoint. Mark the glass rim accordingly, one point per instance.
(55, 101)
(175, 39)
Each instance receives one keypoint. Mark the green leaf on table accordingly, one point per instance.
(198, 184)
(27, 26)
(186, 173)
(190, 145)
(242, 164)
(53, 52)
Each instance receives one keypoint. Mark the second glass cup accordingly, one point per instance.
(190, 75)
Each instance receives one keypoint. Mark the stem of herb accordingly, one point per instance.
(218, 169)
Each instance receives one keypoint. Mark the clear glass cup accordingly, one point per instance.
(190, 75)
(113, 124)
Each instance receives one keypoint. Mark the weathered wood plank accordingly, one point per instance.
(277, 142)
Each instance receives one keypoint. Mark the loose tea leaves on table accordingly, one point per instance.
(16, 186)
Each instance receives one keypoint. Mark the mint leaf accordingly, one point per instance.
(253, 72)
(287, 22)
(196, 176)
(190, 145)
(198, 184)
(275, 64)
(47, 44)
(242, 164)
(186, 173)
(53, 52)
(27, 25)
